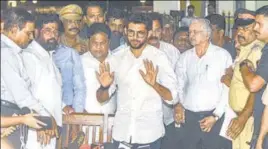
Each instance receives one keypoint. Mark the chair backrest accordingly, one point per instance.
(83, 120)
(110, 123)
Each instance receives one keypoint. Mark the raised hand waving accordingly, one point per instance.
(105, 77)
(151, 72)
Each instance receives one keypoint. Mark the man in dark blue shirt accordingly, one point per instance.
(256, 81)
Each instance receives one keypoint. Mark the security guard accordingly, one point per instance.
(71, 17)
(240, 98)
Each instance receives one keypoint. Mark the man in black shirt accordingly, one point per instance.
(256, 81)
(218, 29)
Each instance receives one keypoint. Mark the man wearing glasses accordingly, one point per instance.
(67, 68)
(71, 17)
(202, 97)
(45, 78)
(144, 79)
(18, 34)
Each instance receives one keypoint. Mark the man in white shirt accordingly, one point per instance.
(99, 38)
(144, 79)
(155, 40)
(172, 54)
(45, 76)
(203, 98)
(18, 88)
(99, 35)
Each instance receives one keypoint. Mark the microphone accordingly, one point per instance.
(78, 141)
(45, 119)
(25, 110)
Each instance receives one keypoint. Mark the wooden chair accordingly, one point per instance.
(83, 119)
(110, 123)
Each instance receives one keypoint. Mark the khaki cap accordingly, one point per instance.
(71, 12)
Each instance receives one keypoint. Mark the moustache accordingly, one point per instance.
(74, 29)
(240, 37)
(134, 41)
(116, 32)
(52, 40)
(153, 38)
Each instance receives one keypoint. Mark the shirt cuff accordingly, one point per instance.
(63, 105)
(218, 113)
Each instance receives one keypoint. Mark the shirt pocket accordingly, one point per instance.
(213, 72)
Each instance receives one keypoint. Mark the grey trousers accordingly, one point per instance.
(195, 138)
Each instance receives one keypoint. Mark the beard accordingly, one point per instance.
(135, 44)
(50, 44)
(118, 34)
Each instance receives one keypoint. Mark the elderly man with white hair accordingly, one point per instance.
(203, 98)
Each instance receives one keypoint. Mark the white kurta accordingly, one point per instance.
(139, 114)
(46, 86)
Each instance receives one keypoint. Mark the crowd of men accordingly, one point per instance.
(185, 88)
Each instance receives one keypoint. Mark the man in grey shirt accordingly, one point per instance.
(18, 33)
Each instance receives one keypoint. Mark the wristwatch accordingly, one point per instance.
(104, 88)
(242, 64)
(215, 116)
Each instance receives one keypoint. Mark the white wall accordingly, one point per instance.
(226, 6)
(261, 3)
(251, 5)
(166, 6)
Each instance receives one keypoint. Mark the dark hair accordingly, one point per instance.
(180, 30)
(16, 16)
(47, 18)
(140, 18)
(218, 20)
(191, 6)
(156, 16)
(262, 11)
(99, 28)
(116, 13)
(213, 5)
(92, 4)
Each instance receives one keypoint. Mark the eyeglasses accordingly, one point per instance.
(139, 34)
(195, 32)
(49, 32)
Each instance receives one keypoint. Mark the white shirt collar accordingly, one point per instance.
(208, 52)
(13, 46)
(38, 48)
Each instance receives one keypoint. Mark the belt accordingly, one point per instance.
(201, 113)
(9, 105)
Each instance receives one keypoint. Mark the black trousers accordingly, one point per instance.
(195, 138)
(172, 138)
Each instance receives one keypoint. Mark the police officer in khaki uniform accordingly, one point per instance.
(240, 98)
(71, 17)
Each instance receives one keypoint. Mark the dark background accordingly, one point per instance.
(104, 3)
